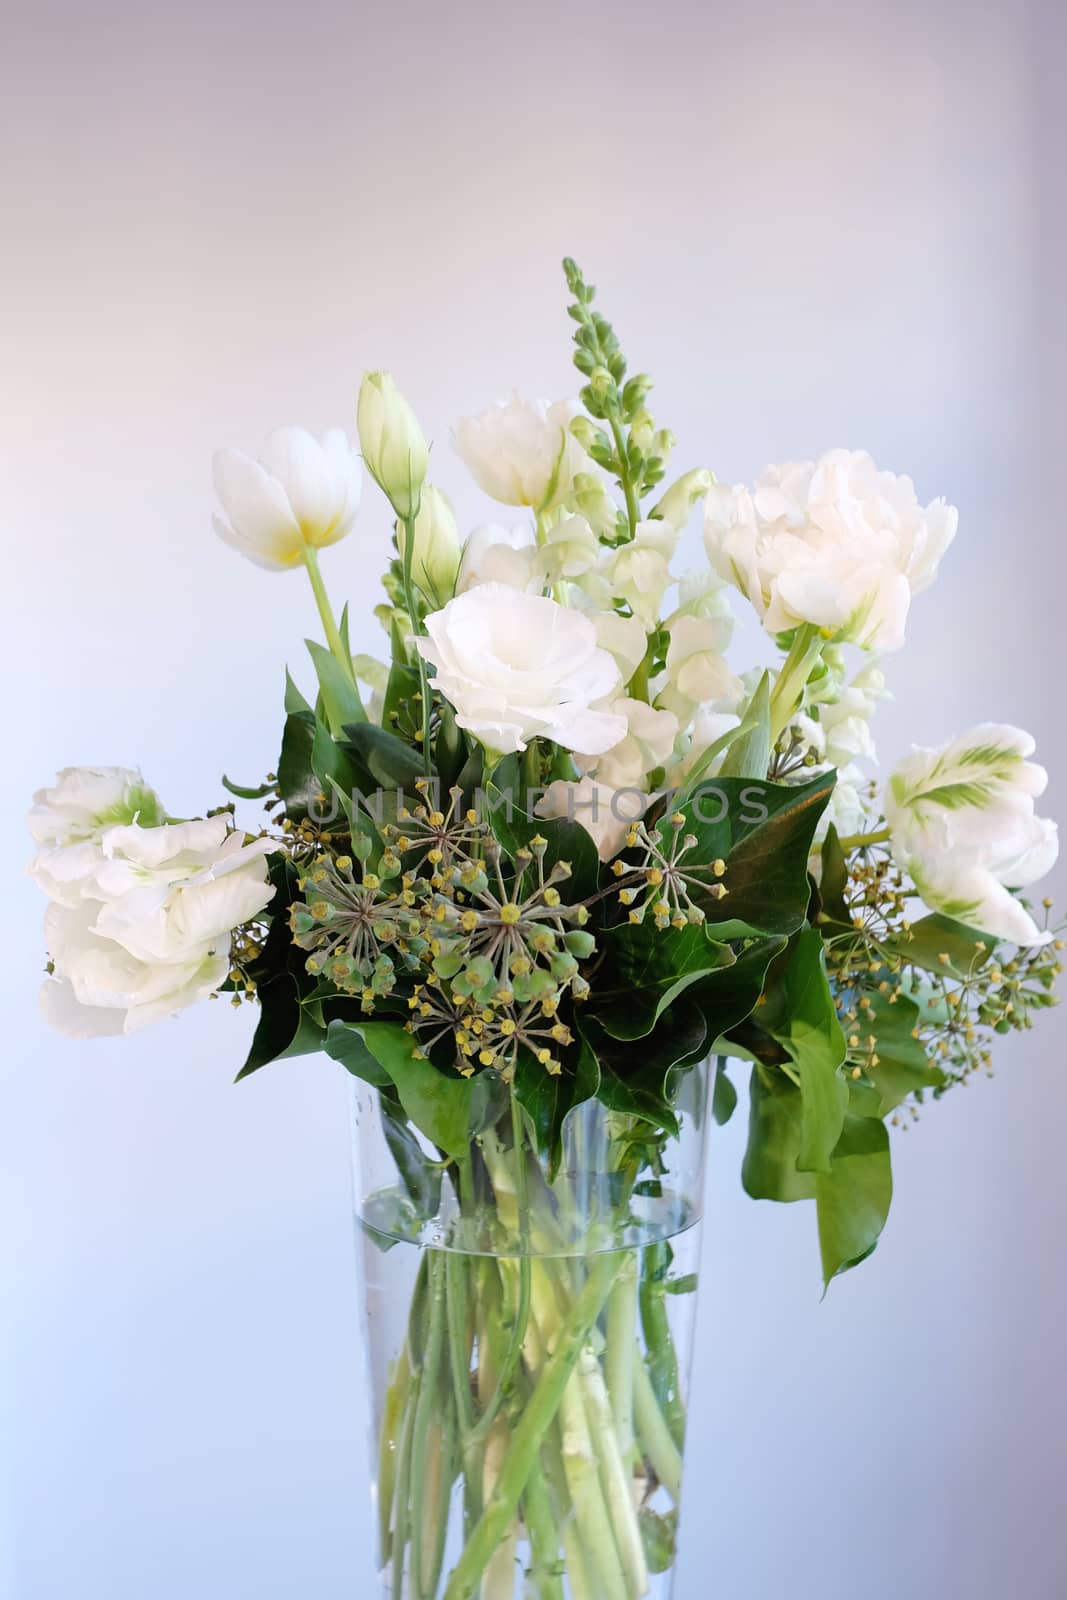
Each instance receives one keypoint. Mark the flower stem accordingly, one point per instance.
(788, 690)
(860, 841)
(413, 613)
(329, 622)
(428, 1396)
(544, 1539)
(531, 1428)
(655, 1435)
(619, 1357)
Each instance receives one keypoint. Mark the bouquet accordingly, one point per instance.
(546, 881)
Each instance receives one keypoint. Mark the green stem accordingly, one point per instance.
(413, 613)
(457, 1289)
(531, 1428)
(616, 1477)
(633, 510)
(789, 686)
(619, 1358)
(401, 1521)
(544, 1539)
(428, 1396)
(860, 841)
(661, 1360)
(329, 622)
(655, 1436)
(393, 1420)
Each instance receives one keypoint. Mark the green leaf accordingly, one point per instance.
(724, 1095)
(805, 1023)
(567, 840)
(763, 832)
(833, 880)
(640, 1083)
(934, 936)
(647, 968)
(247, 791)
(548, 1098)
(420, 1175)
(903, 1067)
(853, 1198)
(286, 1026)
(346, 1044)
(769, 1170)
(390, 762)
(749, 756)
(340, 697)
(297, 783)
(294, 700)
(332, 765)
(448, 1109)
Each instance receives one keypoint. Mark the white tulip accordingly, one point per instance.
(299, 494)
(70, 819)
(834, 543)
(640, 570)
(606, 814)
(516, 666)
(963, 827)
(493, 554)
(436, 556)
(522, 453)
(393, 445)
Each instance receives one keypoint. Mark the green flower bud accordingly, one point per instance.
(677, 504)
(594, 503)
(394, 449)
(643, 430)
(436, 556)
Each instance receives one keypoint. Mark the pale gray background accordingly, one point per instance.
(816, 224)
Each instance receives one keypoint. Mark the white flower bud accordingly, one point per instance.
(435, 558)
(392, 442)
(677, 504)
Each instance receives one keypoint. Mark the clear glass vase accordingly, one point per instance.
(528, 1335)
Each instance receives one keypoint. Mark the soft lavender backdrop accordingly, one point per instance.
(816, 224)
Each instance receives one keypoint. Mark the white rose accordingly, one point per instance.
(516, 666)
(300, 493)
(640, 571)
(70, 819)
(522, 453)
(835, 543)
(605, 813)
(493, 554)
(963, 827)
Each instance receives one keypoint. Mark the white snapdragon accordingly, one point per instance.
(639, 572)
(517, 665)
(493, 554)
(522, 453)
(676, 506)
(607, 814)
(963, 827)
(301, 493)
(623, 637)
(569, 551)
(697, 671)
(647, 745)
(834, 543)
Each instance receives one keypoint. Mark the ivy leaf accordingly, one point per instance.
(903, 1067)
(420, 1175)
(513, 829)
(391, 763)
(934, 936)
(853, 1197)
(647, 968)
(763, 832)
(723, 1094)
(641, 1084)
(833, 880)
(345, 1043)
(448, 1109)
(548, 1098)
(286, 1026)
(806, 1026)
(769, 1170)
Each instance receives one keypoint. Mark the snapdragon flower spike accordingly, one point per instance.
(666, 876)
(359, 928)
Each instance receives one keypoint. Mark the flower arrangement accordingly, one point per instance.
(538, 867)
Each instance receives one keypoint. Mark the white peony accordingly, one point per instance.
(835, 543)
(522, 453)
(145, 929)
(299, 493)
(606, 814)
(516, 666)
(493, 554)
(70, 819)
(963, 827)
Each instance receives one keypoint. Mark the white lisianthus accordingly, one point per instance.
(70, 819)
(623, 637)
(150, 931)
(963, 827)
(640, 570)
(436, 556)
(696, 661)
(522, 453)
(392, 442)
(300, 493)
(647, 745)
(516, 666)
(835, 543)
(493, 554)
(606, 814)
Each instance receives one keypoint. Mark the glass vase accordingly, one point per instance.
(528, 1332)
